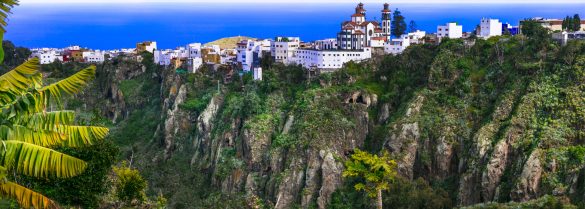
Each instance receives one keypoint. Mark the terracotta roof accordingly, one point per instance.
(386, 10)
(379, 38)
(378, 30)
(357, 15)
(582, 21)
(348, 28)
(349, 23)
(359, 32)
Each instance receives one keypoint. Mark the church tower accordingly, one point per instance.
(386, 21)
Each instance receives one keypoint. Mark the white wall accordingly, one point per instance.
(330, 59)
(450, 30)
(490, 27)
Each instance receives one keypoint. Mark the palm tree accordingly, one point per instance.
(29, 130)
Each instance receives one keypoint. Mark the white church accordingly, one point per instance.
(359, 33)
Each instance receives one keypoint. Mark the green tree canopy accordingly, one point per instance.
(376, 171)
(398, 24)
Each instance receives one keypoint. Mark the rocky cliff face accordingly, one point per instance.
(286, 150)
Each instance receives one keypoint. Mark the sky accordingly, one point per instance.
(306, 1)
(108, 24)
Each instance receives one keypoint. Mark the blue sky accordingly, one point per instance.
(107, 24)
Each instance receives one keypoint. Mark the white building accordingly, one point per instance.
(194, 50)
(450, 30)
(330, 59)
(258, 73)
(398, 45)
(283, 49)
(196, 63)
(163, 57)
(93, 56)
(359, 33)
(249, 51)
(490, 27)
(326, 44)
(45, 55)
(148, 46)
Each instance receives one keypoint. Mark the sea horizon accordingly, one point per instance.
(115, 26)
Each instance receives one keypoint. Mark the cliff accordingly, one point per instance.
(498, 120)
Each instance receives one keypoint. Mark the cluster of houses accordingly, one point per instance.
(356, 41)
(77, 54)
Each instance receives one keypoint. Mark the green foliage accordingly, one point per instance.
(546, 202)
(196, 105)
(572, 23)
(398, 24)
(378, 172)
(129, 184)
(87, 189)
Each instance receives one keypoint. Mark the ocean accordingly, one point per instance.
(113, 26)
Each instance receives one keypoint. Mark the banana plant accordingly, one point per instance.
(5, 7)
(30, 129)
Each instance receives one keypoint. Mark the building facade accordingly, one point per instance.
(398, 45)
(358, 33)
(283, 49)
(450, 30)
(490, 27)
(148, 46)
(330, 59)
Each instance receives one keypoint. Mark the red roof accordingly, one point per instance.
(379, 38)
(378, 30)
(357, 15)
(359, 32)
(348, 28)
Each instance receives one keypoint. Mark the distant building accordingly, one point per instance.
(358, 33)
(258, 73)
(250, 50)
(211, 55)
(508, 29)
(490, 27)
(551, 24)
(330, 59)
(45, 56)
(195, 64)
(93, 56)
(326, 44)
(450, 30)
(398, 45)
(194, 50)
(148, 46)
(283, 49)
(564, 37)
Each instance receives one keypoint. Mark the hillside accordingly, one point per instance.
(229, 42)
(468, 122)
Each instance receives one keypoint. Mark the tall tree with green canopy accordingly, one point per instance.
(398, 23)
(412, 27)
(376, 171)
(30, 127)
(576, 22)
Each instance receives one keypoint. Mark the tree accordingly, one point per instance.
(130, 185)
(412, 26)
(30, 129)
(398, 23)
(377, 172)
(576, 22)
(565, 24)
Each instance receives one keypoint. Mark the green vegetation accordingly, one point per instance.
(572, 23)
(29, 132)
(377, 171)
(398, 24)
(129, 184)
